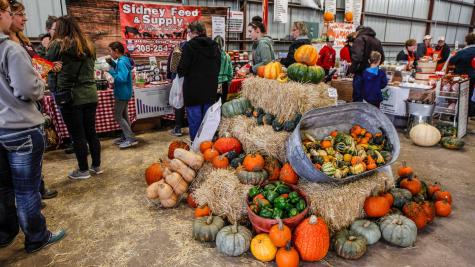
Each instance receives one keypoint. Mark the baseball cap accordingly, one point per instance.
(427, 37)
(441, 38)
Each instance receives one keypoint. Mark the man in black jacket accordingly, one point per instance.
(364, 43)
(199, 65)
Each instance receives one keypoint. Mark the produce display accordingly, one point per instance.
(264, 118)
(339, 154)
(275, 200)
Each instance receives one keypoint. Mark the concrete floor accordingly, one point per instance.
(110, 222)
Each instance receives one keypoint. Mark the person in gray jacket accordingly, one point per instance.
(21, 145)
(263, 46)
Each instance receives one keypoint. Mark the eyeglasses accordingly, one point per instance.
(20, 14)
(9, 12)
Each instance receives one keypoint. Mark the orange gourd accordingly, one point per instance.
(153, 173)
(312, 239)
(306, 54)
(280, 234)
(205, 146)
(414, 185)
(443, 208)
(261, 71)
(272, 70)
(429, 210)
(356, 129)
(253, 162)
(174, 145)
(288, 175)
(220, 162)
(191, 201)
(202, 211)
(376, 206)
(210, 154)
(416, 213)
(355, 160)
(262, 248)
(443, 195)
(431, 189)
(325, 144)
(272, 167)
(328, 16)
(287, 257)
(405, 171)
(349, 16)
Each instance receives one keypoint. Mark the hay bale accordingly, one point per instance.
(284, 100)
(340, 205)
(201, 176)
(254, 138)
(224, 194)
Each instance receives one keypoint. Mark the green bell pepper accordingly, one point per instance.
(283, 189)
(293, 195)
(254, 191)
(269, 187)
(280, 203)
(293, 212)
(295, 200)
(301, 205)
(288, 206)
(266, 213)
(278, 213)
(271, 195)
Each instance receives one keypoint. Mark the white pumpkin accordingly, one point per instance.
(425, 135)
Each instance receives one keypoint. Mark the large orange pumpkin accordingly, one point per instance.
(306, 54)
(226, 144)
(261, 71)
(272, 70)
(253, 163)
(288, 175)
(349, 16)
(153, 173)
(312, 239)
(174, 145)
(328, 16)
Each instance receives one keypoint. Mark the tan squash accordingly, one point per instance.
(192, 159)
(152, 190)
(177, 182)
(186, 172)
(425, 135)
(169, 202)
(165, 191)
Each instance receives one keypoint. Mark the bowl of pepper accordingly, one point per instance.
(274, 200)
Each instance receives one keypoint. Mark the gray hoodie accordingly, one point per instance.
(262, 52)
(20, 87)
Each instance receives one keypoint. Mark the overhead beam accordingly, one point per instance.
(429, 16)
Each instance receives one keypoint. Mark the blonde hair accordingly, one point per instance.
(70, 35)
(374, 57)
(302, 27)
(19, 7)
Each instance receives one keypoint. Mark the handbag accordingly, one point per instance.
(64, 96)
(175, 59)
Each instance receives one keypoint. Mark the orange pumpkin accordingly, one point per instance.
(443, 208)
(153, 173)
(227, 144)
(334, 133)
(272, 167)
(220, 162)
(272, 70)
(288, 175)
(389, 197)
(328, 16)
(202, 211)
(356, 129)
(191, 201)
(416, 213)
(261, 71)
(312, 239)
(355, 160)
(287, 257)
(253, 163)
(280, 234)
(349, 16)
(306, 54)
(443, 195)
(326, 144)
(414, 185)
(376, 206)
(210, 154)
(205, 145)
(429, 210)
(431, 189)
(405, 171)
(174, 145)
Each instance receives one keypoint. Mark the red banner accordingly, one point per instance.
(154, 30)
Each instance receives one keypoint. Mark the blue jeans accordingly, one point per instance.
(195, 117)
(21, 154)
(358, 88)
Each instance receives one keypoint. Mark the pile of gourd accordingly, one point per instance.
(340, 155)
(168, 181)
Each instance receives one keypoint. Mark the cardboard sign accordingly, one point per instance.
(154, 30)
(281, 13)
(340, 31)
(153, 101)
(394, 101)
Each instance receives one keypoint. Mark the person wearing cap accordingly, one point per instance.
(327, 55)
(424, 49)
(441, 53)
(409, 54)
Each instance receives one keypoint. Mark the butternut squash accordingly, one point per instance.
(186, 172)
(192, 159)
(152, 190)
(177, 183)
(165, 191)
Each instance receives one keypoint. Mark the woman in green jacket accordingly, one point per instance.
(263, 46)
(225, 71)
(77, 54)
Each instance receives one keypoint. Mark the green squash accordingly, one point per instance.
(253, 178)
(401, 196)
(305, 74)
(277, 125)
(368, 229)
(289, 126)
(341, 147)
(236, 162)
(233, 240)
(297, 118)
(328, 169)
(349, 244)
(398, 230)
(268, 119)
(452, 143)
(260, 119)
(318, 159)
(231, 155)
(249, 112)
(205, 229)
(235, 107)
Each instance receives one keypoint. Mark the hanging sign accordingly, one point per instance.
(235, 21)
(330, 6)
(340, 31)
(218, 28)
(154, 30)
(281, 13)
(357, 9)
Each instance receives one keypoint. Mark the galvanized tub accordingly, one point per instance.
(320, 122)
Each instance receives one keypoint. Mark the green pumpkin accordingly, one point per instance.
(289, 126)
(305, 74)
(318, 159)
(268, 119)
(368, 229)
(297, 118)
(233, 240)
(249, 111)
(401, 196)
(349, 245)
(253, 178)
(235, 107)
(205, 229)
(236, 162)
(398, 230)
(260, 119)
(315, 74)
(257, 112)
(452, 143)
(277, 125)
(231, 155)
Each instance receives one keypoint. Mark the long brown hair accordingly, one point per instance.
(19, 7)
(69, 35)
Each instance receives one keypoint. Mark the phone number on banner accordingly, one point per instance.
(147, 48)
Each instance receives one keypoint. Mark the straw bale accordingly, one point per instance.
(224, 194)
(284, 100)
(340, 205)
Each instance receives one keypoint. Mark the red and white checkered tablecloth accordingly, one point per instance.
(105, 121)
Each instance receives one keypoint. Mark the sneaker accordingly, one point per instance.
(118, 141)
(55, 237)
(128, 143)
(176, 132)
(49, 193)
(96, 170)
(79, 175)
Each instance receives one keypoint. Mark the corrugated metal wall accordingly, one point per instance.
(38, 11)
